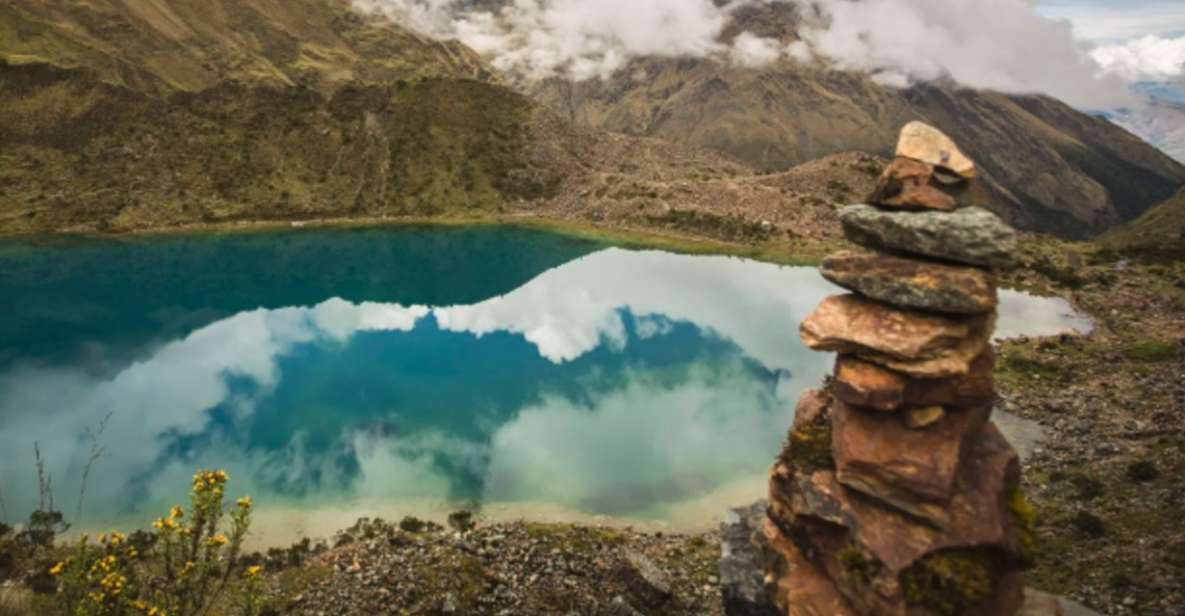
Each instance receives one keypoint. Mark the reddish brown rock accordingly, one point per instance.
(911, 470)
(850, 323)
(922, 417)
(911, 185)
(979, 512)
(801, 587)
(954, 362)
(914, 283)
(867, 385)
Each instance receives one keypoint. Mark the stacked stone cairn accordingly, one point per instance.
(895, 494)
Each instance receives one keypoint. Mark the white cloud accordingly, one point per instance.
(1004, 45)
(1147, 58)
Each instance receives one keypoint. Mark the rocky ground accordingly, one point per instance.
(1108, 479)
(521, 568)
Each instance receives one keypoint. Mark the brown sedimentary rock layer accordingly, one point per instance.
(912, 470)
(919, 344)
(865, 384)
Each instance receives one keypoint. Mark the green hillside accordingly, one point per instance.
(149, 113)
(1159, 233)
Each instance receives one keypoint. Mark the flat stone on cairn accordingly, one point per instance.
(896, 495)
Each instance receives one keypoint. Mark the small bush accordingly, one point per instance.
(462, 521)
(1089, 524)
(1088, 488)
(1144, 471)
(412, 524)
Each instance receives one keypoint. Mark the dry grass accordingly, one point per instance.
(14, 602)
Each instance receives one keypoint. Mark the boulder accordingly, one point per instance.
(868, 385)
(972, 235)
(913, 283)
(850, 323)
(927, 144)
(647, 582)
(914, 471)
(743, 555)
(909, 184)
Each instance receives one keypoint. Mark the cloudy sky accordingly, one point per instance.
(1085, 52)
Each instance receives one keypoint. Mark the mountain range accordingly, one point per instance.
(126, 114)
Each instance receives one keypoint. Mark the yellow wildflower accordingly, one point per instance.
(218, 539)
(176, 512)
(254, 570)
(57, 569)
(244, 503)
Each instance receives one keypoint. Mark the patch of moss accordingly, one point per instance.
(1020, 364)
(1088, 488)
(857, 567)
(950, 583)
(810, 447)
(1024, 517)
(1151, 351)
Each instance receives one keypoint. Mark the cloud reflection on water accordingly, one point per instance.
(623, 383)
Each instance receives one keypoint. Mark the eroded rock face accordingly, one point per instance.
(972, 235)
(868, 385)
(913, 283)
(911, 470)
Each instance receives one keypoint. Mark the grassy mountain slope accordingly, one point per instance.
(1158, 233)
(1053, 169)
(166, 46)
(146, 113)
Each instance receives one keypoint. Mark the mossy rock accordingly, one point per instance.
(1024, 518)
(810, 447)
(952, 582)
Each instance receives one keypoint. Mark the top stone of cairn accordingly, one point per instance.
(927, 144)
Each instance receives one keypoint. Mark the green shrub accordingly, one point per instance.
(1151, 351)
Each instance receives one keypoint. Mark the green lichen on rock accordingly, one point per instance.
(810, 447)
(1024, 517)
(950, 583)
(857, 567)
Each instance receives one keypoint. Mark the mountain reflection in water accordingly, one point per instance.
(514, 370)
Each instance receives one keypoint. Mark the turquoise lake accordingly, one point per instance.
(415, 370)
